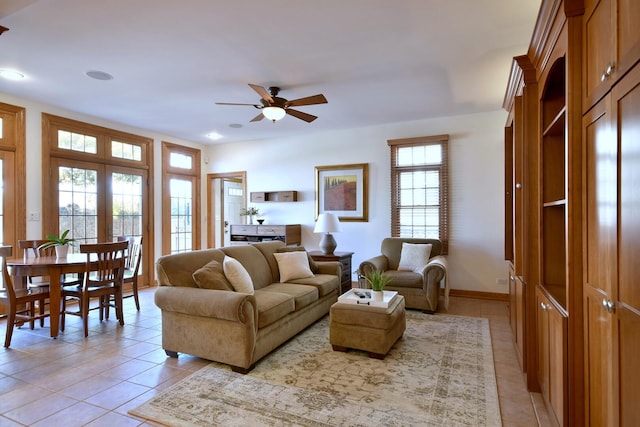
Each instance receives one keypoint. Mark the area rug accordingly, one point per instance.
(440, 373)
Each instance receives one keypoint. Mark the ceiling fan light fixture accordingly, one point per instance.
(273, 113)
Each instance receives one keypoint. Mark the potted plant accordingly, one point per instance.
(61, 243)
(250, 212)
(377, 280)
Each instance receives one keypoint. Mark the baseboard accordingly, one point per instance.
(494, 296)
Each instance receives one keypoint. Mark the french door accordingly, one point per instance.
(97, 202)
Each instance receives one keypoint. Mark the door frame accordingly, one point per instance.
(214, 210)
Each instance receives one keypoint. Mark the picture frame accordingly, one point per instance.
(344, 191)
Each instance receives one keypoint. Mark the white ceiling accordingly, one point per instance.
(376, 61)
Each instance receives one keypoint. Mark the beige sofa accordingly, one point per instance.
(421, 289)
(236, 328)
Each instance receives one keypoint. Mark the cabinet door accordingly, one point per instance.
(552, 357)
(600, 249)
(626, 116)
(598, 45)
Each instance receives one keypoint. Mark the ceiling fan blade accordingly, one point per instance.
(300, 115)
(262, 92)
(309, 100)
(258, 118)
(235, 103)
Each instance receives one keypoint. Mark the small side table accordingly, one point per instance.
(344, 258)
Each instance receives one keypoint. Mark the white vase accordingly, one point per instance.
(377, 295)
(61, 251)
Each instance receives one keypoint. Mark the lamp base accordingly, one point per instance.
(328, 244)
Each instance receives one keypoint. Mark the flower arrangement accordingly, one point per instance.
(249, 211)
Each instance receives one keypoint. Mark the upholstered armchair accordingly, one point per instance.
(419, 283)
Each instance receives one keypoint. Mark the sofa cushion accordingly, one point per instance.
(211, 276)
(302, 294)
(237, 275)
(312, 264)
(292, 265)
(404, 279)
(413, 257)
(325, 283)
(272, 306)
(254, 261)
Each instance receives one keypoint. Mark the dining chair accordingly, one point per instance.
(31, 248)
(132, 265)
(103, 277)
(20, 302)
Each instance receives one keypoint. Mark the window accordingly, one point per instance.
(419, 188)
(180, 198)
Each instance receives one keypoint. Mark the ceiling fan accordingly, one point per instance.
(274, 108)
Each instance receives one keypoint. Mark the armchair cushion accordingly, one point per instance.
(414, 256)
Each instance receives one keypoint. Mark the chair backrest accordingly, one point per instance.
(391, 247)
(133, 253)
(6, 252)
(105, 263)
(32, 248)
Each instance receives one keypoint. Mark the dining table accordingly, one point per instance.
(55, 268)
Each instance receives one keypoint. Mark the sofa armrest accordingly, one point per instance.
(223, 305)
(330, 267)
(379, 262)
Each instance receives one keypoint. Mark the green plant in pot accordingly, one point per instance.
(377, 280)
(61, 243)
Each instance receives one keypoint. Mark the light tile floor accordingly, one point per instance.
(73, 381)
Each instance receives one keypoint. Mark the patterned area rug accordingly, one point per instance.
(440, 373)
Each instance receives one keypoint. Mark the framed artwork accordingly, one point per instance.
(343, 191)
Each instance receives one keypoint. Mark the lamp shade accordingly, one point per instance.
(273, 113)
(327, 223)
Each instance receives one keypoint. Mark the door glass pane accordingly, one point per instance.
(78, 203)
(181, 194)
(182, 161)
(122, 150)
(127, 204)
(77, 142)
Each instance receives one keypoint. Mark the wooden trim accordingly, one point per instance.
(492, 296)
(418, 140)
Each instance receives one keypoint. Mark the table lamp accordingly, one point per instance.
(327, 223)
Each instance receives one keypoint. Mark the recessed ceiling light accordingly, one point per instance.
(235, 125)
(99, 75)
(214, 135)
(11, 75)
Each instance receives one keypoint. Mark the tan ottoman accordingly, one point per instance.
(371, 329)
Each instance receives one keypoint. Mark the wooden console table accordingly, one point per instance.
(244, 234)
(344, 258)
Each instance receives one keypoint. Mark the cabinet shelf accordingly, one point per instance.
(273, 196)
(245, 234)
(556, 127)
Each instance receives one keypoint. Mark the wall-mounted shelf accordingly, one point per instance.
(274, 196)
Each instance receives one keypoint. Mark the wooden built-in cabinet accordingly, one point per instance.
(611, 45)
(572, 141)
(612, 242)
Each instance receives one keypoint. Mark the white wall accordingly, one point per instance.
(476, 249)
(33, 114)
(476, 179)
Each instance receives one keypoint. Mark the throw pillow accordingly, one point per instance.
(237, 275)
(414, 256)
(211, 276)
(293, 265)
(312, 264)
